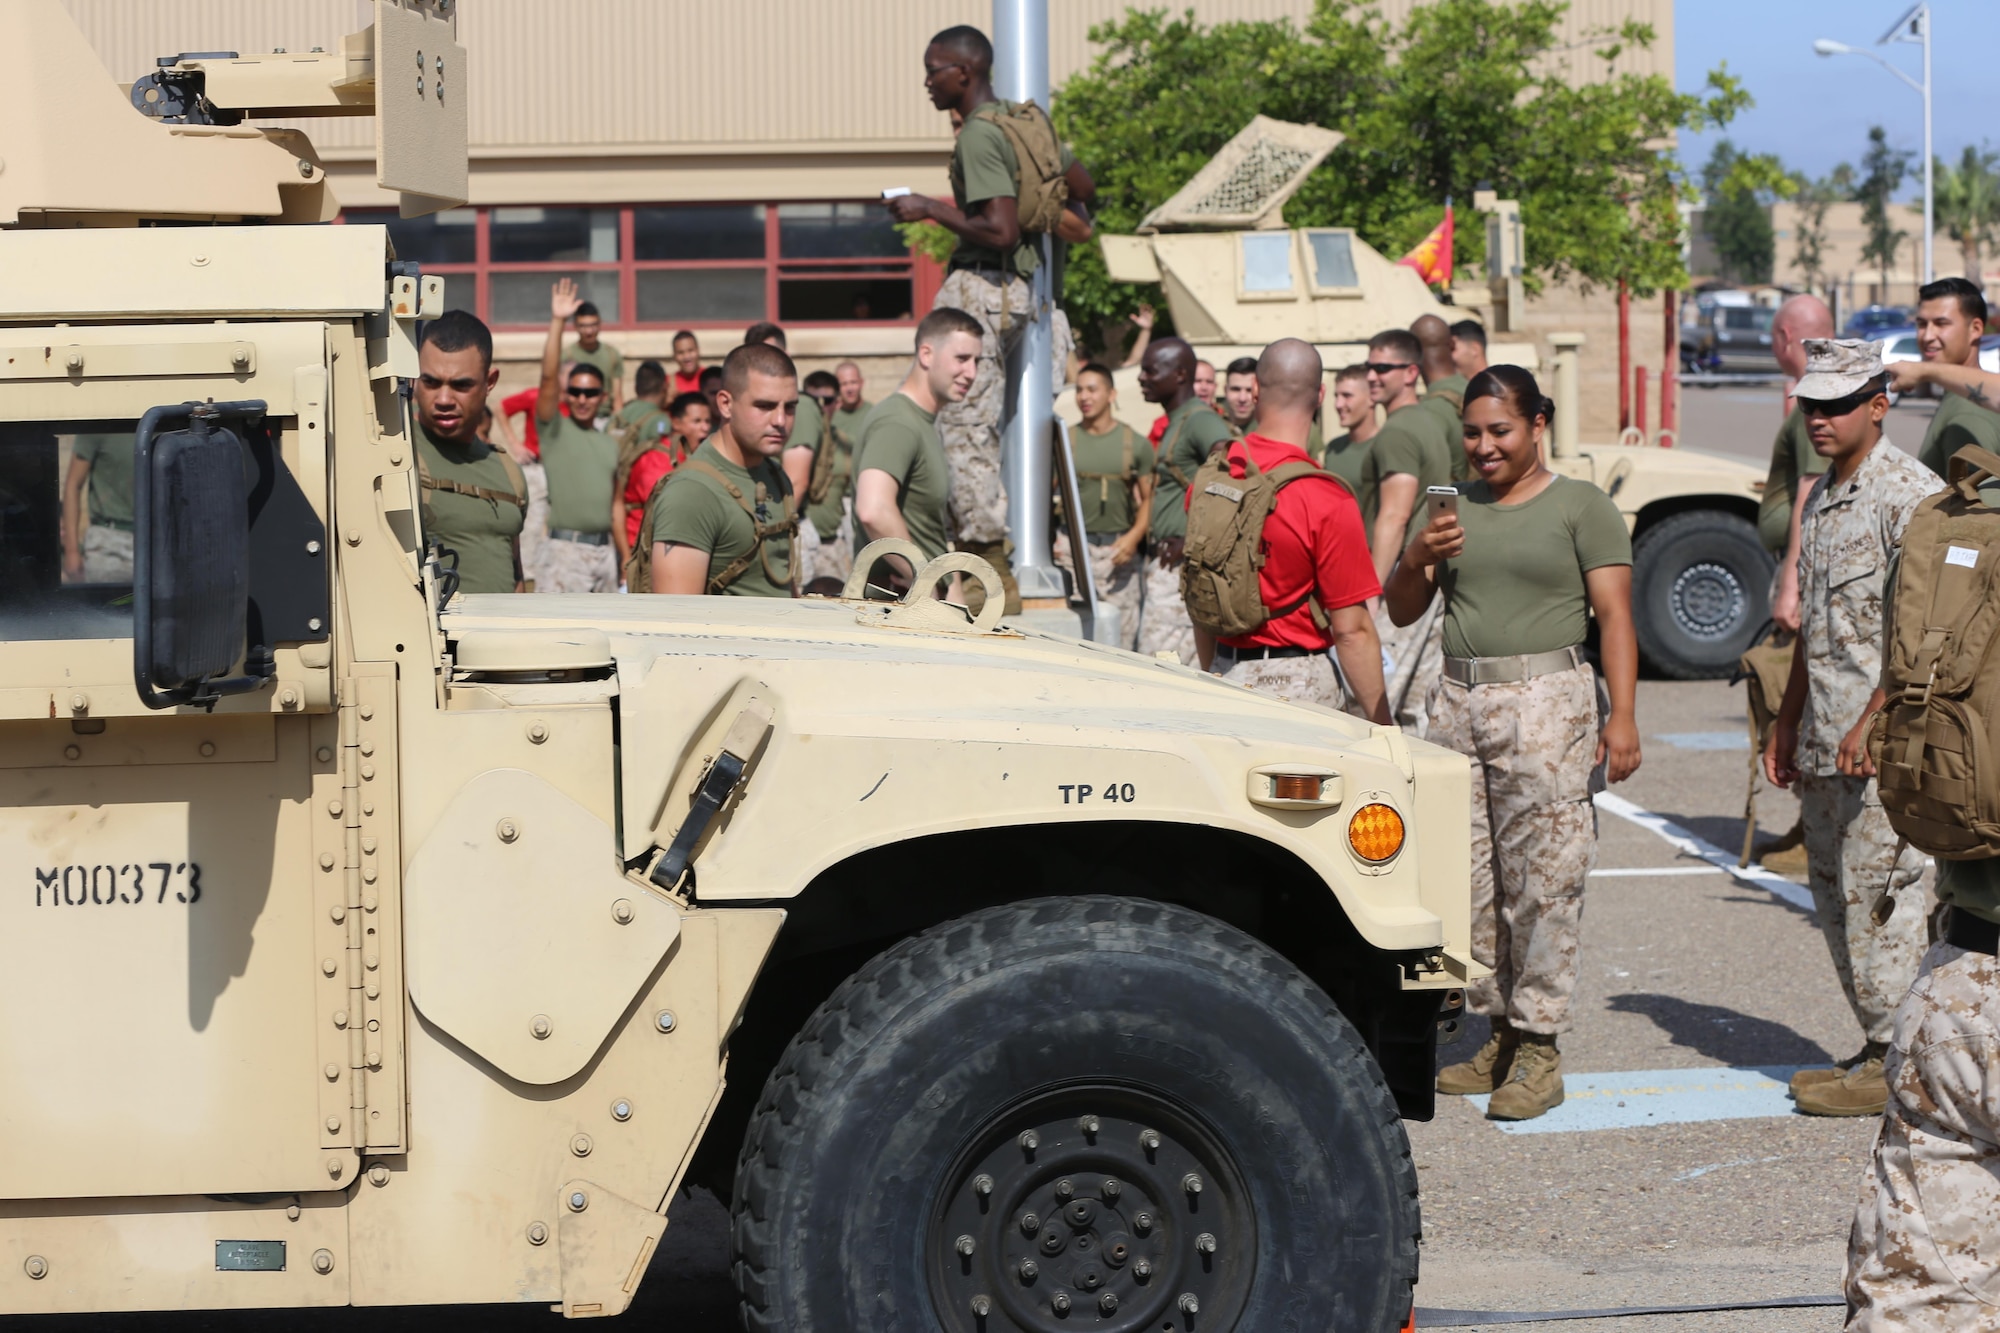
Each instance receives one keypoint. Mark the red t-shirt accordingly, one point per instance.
(524, 403)
(1312, 540)
(647, 469)
(686, 383)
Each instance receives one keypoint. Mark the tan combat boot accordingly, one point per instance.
(1806, 1078)
(1860, 1091)
(1534, 1084)
(1486, 1070)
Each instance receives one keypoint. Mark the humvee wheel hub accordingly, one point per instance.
(1708, 600)
(1124, 1208)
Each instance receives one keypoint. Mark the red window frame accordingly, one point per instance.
(923, 274)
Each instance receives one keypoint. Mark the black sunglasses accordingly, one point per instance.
(1837, 407)
(1384, 367)
(585, 393)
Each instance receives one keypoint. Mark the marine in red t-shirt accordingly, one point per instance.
(687, 363)
(1315, 559)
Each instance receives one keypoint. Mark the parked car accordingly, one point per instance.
(1731, 339)
(1876, 320)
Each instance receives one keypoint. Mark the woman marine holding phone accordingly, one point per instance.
(1523, 557)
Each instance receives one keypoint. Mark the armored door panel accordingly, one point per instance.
(156, 933)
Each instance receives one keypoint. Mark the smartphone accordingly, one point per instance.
(894, 192)
(1442, 500)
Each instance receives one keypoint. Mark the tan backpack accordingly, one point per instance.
(1225, 544)
(1042, 186)
(1936, 742)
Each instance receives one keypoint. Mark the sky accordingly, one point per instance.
(1814, 111)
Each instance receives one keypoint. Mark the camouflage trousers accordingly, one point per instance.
(828, 557)
(971, 429)
(1163, 619)
(1117, 585)
(577, 567)
(1850, 857)
(107, 555)
(1534, 834)
(1416, 651)
(1924, 1253)
(534, 523)
(1306, 680)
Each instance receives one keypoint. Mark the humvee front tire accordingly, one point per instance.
(1069, 1111)
(1700, 592)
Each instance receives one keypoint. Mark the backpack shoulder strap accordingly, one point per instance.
(760, 532)
(518, 497)
(1968, 465)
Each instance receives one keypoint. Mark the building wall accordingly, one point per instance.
(1860, 282)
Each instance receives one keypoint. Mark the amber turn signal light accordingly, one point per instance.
(1296, 786)
(1376, 832)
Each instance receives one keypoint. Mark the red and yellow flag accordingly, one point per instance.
(1432, 257)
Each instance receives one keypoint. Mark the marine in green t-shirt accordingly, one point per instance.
(474, 498)
(609, 361)
(581, 464)
(1959, 421)
(1347, 459)
(695, 507)
(110, 491)
(1411, 441)
(901, 439)
(1108, 465)
(1193, 429)
(1519, 586)
(1445, 400)
(1792, 460)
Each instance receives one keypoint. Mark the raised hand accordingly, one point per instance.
(563, 299)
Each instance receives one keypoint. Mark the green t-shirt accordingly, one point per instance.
(110, 489)
(1438, 402)
(1346, 459)
(1792, 458)
(1519, 588)
(609, 361)
(582, 466)
(807, 424)
(983, 166)
(1959, 422)
(480, 528)
(827, 514)
(1106, 466)
(901, 439)
(638, 410)
(1411, 441)
(691, 508)
(1193, 429)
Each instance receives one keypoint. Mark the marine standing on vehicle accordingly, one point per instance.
(1522, 561)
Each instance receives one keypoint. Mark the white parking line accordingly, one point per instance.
(1620, 872)
(1776, 885)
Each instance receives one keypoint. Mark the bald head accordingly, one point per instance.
(1289, 389)
(1800, 318)
(1434, 338)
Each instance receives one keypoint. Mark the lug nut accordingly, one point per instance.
(982, 1185)
(1191, 1183)
(1065, 1189)
(1149, 1140)
(965, 1246)
(981, 1306)
(1143, 1269)
(1108, 1303)
(1111, 1189)
(1030, 1224)
(1060, 1302)
(1205, 1243)
(1188, 1303)
(1029, 1140)
(1030, 1270)
(1088, 1124)
(1142, 1223)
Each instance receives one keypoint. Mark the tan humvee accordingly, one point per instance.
(1236, 278)
(365, 952)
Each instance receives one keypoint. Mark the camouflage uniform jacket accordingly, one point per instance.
(1847, 535)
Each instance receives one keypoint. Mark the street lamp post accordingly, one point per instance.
(1914, 26)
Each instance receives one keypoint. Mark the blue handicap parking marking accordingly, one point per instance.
(1659, 1097)
(1706, 740)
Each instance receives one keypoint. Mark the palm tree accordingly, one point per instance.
(1968, 203)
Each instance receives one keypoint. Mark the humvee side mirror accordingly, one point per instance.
(191, 554)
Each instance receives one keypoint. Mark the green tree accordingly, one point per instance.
(1740, 188)
(1460, 94)
(1813, 198)
(1967, 203)
(1883, 170)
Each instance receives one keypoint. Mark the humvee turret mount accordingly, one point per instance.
(373, 946)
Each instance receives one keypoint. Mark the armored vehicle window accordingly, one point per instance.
(1333, 261)
(1267, 263)
(53, 586)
